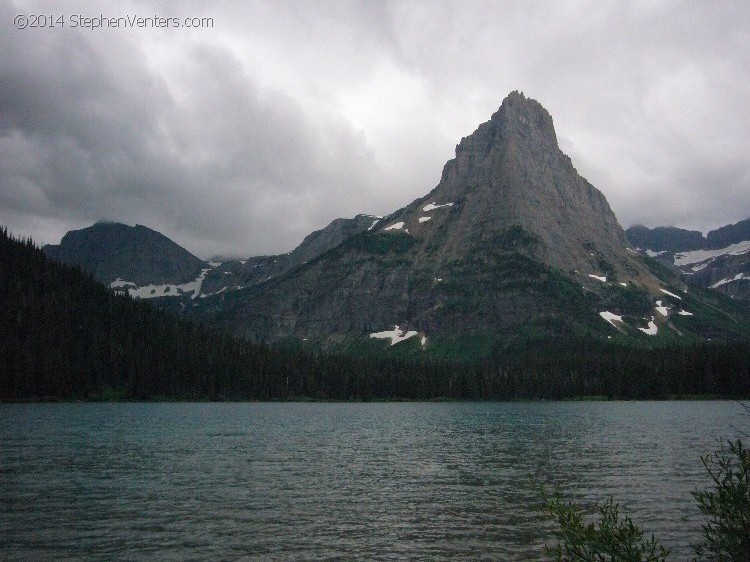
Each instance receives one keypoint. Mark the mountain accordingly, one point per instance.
(147, 264)
(728, 235)
(139, 255)
(720, 261)
(665, 238)
(234, 275)
(512, 245)
(64, 336)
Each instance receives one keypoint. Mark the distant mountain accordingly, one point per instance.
(136, 254)
(719, 261)
(728, 235)
(665, 238)
(234, 275)
(148, 265)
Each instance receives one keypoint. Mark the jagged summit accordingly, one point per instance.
(518, 120)
(510, 173)
(519, 116)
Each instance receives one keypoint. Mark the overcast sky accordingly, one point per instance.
(241, 137)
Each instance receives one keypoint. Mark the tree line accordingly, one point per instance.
(65, 336)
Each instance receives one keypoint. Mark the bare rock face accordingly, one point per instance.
(510, 173)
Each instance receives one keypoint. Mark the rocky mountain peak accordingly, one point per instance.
(510, 246)
(524, 117)
(510, 173)
(518, 121)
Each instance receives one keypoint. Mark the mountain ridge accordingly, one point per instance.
(719, 261)
(512, 244)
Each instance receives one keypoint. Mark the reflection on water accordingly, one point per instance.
(314, 481)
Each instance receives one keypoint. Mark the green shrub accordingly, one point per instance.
(613, 539)
(726, 536)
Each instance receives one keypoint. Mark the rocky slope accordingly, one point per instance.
(234, 275)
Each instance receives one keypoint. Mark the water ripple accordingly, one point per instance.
(331, 481)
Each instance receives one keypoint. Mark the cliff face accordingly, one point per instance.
(510, 173)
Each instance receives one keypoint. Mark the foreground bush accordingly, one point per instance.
(612, 540)
(726, 535)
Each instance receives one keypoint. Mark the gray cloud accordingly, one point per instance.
(242, 138)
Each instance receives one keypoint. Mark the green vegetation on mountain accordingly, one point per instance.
(65, 336)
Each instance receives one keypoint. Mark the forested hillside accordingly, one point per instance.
(65, 336)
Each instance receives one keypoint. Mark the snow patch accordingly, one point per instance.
(203, 296)
(119, 283)
(214, 264)
(697, 256)
(661, 309)
(396, 335)
(737, 277)
(243, 262)
(376, 221)
(395, 226)
(670, 294)
(152, 291)
(623, 284)
(652, 254)
(602, 279)
(424, 219)
(611, 317)
(432, 206)
(652, 330)
(685, 313)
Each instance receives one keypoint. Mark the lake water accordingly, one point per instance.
(379, 481)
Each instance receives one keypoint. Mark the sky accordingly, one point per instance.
(267, 120)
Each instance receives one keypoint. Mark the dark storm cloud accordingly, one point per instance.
(90, 132)
(243, 137)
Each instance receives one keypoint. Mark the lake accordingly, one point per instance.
(311, 481)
